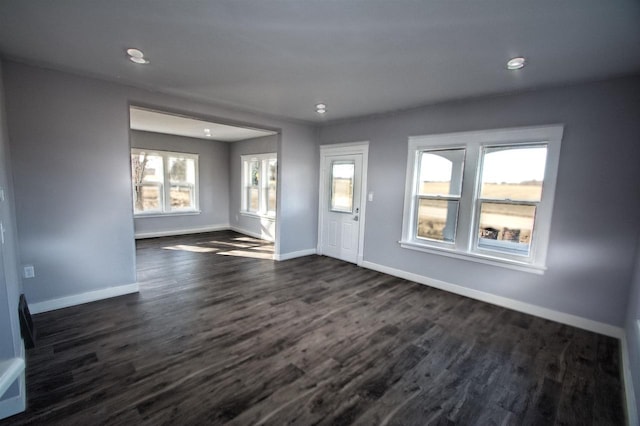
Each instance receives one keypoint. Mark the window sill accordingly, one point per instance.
(183, 213)
(259, 215)
(476, 257)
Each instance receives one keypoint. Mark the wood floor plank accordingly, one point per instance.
(220, 335)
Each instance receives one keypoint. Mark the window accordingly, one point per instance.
(438, 194)
(164, 182)
(342, 176)
(510, 192)
(484, 196)
(259, 182)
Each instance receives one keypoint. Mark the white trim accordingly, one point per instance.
(516, 305)
(18, 403)
(79, 299)
(249, 233)
(278, 228)
(10, 370)
(270, 217)
(345, 149)
(294, 254)
(156, 234)
(175, 213)
(475, 257)
(468, 214)
(165, 209)
(631, 408)
(263, 159)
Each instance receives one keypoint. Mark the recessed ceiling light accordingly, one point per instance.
(136, 55)
(516, 63)
(138, 60)
(321, 108)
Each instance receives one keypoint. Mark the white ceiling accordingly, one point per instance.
(359, 57)
(160, 122)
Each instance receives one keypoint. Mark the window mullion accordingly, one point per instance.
(166, 184)
(260, 164)
(466, 217)
(263, 186)
(244, 185)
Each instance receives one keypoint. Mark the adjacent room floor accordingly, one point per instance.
(219, 333)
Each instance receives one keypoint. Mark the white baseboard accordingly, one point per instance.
(16, 404)
(294, 254)
(10, 370)
(250, 233)
(527, 308)
(79, 299)
(212, 228)
(630, 395)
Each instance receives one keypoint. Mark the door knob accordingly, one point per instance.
(355, 218)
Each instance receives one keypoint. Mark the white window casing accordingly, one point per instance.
(466, 244)
(263, 204)
(188, 184)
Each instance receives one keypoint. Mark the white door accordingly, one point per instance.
(341, 206)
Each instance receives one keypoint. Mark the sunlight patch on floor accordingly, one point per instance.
(228, 244)
(242, 247)
(263, 248)
(246, 253)
(249, 240)
(194, 249)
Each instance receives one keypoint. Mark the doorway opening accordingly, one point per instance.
(191, 175)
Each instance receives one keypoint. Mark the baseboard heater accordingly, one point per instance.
(27, 329)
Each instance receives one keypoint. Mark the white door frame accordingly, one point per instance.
(344, 149)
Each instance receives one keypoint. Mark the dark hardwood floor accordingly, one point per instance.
(220, 335)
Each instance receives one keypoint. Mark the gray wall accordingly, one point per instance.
(213, 171)
(263, 227)
(70, 142)
(298, 169)
(10, 285)
(632, 329)
(595, 220)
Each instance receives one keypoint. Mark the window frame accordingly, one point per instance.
(465, 245)
(264, 161)
(417, 196)
(331, 205)
(165, 185)
(479, 200)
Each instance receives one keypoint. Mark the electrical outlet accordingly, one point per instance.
(28, 271)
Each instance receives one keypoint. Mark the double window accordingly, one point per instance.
(164, 182)
(259, 182)
(485, 196)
